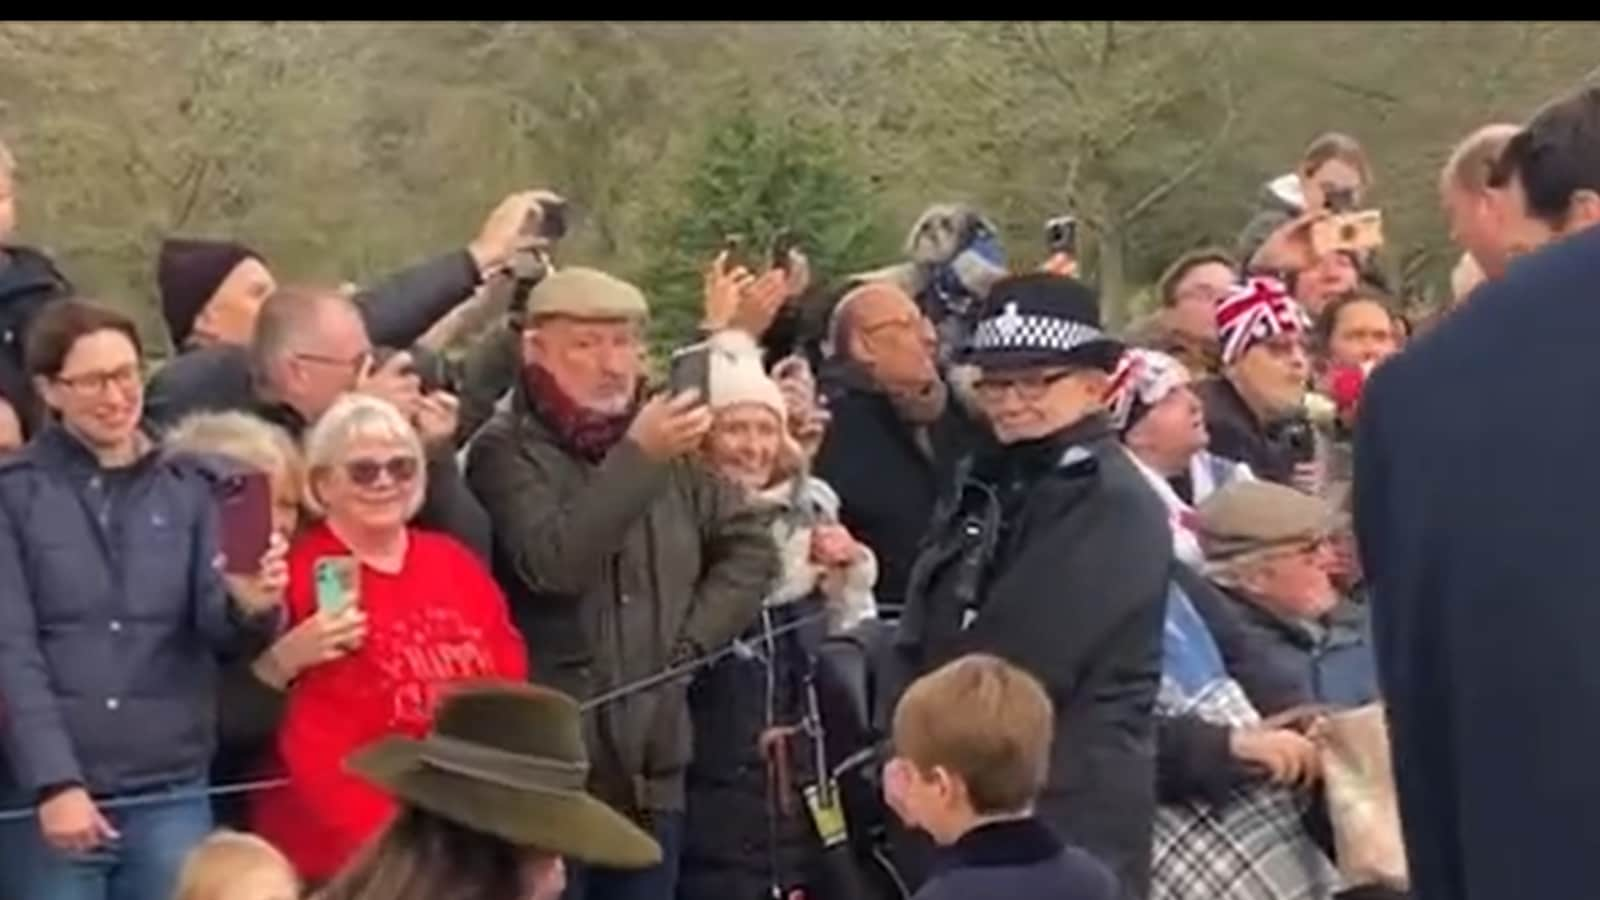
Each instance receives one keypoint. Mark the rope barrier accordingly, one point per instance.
(736, 647)
(154, 799)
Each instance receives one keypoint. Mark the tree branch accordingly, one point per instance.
(1160, 191)
(1048, 61)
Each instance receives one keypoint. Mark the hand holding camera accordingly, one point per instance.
(524, 220)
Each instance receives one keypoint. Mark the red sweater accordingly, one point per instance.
(440, 619)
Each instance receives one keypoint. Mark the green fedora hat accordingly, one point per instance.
(507, 759)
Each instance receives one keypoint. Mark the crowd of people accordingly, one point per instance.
(914, 581)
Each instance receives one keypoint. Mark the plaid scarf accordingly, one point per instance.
(584, 433)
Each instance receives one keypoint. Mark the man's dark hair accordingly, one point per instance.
(54, 331)
(1555, 155)
(1167, 286)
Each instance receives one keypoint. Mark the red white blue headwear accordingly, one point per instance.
(1143, 379)
(1258, 310)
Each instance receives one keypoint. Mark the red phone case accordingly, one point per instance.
(246, 515)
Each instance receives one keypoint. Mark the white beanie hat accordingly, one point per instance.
(736, 375)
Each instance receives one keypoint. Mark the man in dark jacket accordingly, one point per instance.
(895, 434)
(619, 555)
(112, 613)
(28, 281)
(1475, 476)
(1055, 555)
(1255, 409)
(212, 292)
(310, 346)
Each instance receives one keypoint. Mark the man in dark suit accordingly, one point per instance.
(1476, 495)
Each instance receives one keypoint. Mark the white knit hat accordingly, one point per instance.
(736, 375)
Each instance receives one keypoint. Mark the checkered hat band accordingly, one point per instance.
(1010, 331)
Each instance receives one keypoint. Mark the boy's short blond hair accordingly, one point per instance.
(982, 719)
(223, 858)
(8, 163)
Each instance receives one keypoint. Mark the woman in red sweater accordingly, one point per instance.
(434, 616)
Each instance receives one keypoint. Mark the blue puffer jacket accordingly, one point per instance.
(111, 615)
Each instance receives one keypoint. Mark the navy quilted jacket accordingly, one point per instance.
(111, 616)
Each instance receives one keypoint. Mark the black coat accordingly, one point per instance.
(739, 836)
(29, 281)
(1017, 860)
(1476, 485)
(1073, 590)
(397, 312)
(887, 485)
(1236, 433)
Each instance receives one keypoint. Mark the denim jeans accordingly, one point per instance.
(658, 882)
(156, 834)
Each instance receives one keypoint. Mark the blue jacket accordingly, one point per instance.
(1334, 656)
(1017, 860)
(111, 615)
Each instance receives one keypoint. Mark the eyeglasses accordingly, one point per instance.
(366, 472)
(1029, 387)
(123, 377)
(353, 364)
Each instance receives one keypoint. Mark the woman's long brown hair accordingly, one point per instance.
(421, 856)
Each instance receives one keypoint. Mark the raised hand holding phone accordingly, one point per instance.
(244, 505)
(261, 591)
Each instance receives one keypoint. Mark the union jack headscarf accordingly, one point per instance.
(1256, 311)
(1142, 379)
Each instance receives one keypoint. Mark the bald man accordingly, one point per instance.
(896, 435)
(1473, 208)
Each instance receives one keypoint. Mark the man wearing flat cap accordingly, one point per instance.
(1053, 553)
(1268, 547)
(619, 556)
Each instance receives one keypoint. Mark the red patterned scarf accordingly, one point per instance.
(584, 433)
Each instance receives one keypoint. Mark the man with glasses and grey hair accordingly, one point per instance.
(311, 346)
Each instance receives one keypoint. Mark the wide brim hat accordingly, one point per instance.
(508, 760)
(1041, 319)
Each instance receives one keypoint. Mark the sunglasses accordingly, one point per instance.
(366, 472)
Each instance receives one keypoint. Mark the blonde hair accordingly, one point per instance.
(1473, 159)
(8, 162)
(984, 720)
(241, 436)
(221, 858)
(355, 416)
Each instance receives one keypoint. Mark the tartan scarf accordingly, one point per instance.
(584, 433)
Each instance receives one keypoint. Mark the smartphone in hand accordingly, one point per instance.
(245, 511)
(691, 368)
(338, 583)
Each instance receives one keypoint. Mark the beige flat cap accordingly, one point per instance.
(1247, 516)
(586, 294)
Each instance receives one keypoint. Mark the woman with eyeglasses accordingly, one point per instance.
(113, 613)
(434, 616)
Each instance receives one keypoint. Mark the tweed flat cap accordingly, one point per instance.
(586, 294)
(1248, 516)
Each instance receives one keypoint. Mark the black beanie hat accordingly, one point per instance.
(188, 272)
(1041, 319)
